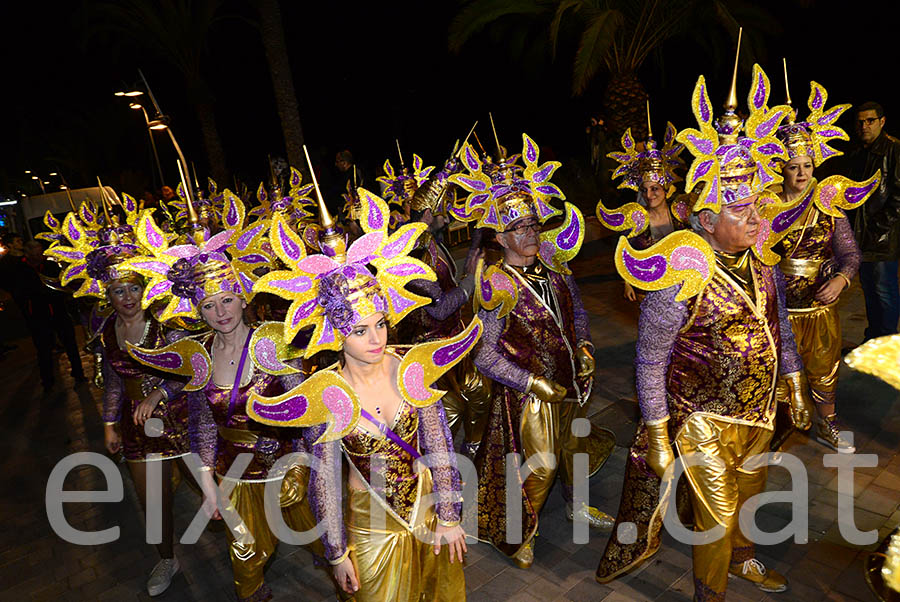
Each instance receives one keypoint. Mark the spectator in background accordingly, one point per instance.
(877, 224)
(42, 308)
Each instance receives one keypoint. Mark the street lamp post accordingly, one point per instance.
(136, 106)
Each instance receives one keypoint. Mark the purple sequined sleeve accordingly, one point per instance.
(202, 430)
(113, 392)
(489, 359)
(661, 319)
(325, 490)
(436, 442)
(443, 304)
(582, 321)
(789, 358)
(846, 251)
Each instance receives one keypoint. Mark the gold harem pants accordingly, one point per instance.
(818, 335)
(249, 559)
(719, 487)
(392, 560)
(547, 427)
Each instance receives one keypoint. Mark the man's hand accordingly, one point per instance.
(546, 390)
(585, 360)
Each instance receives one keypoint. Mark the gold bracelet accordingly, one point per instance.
(844, 276)
(448, 523)
(110, 423)
(340, 558)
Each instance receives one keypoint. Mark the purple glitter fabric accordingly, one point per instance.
(491, 362)
(661, 319)
(846, 251)
(660, 322)
(443, 304)
(582, 321)
(789, 358)
(325, 484)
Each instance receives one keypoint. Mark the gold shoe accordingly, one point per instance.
(755, 572)
(829, 430)
(594, 517)
(524, 558)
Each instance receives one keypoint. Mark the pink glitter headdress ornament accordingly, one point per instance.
(503, 193)
(732, 167)
(97, 250)
(812, 136)
(183, 275)
(334, 290)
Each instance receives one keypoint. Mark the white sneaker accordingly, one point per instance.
(161, 576)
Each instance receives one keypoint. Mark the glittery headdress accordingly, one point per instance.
(732, 167)
(402, 185)
(432, 194)
(184, 275)
(651, 164)
(96, 253)
(811, 137)
(298, 205)
(501, 193)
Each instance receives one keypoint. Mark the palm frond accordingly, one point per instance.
(477, 15)
(598, 37)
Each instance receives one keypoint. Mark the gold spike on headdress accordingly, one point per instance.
(332, 242)
(729, 124)
(500, 154)
(649, 129)
(399, 154)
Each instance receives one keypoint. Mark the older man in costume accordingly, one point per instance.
(713, 338)
(537, 346)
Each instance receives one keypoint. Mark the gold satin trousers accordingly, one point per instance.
(392, 560)
(719, 487)
(818, 336)
(547, 427)
(468, 399)
(249, 559)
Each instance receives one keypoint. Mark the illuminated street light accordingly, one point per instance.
(130, 94)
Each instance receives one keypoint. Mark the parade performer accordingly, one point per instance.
(819, 253)
(132, 393)
(389, 416)
(400, 186)
(713, 338)
(537, 345)
(226, 366)
(650, 172)
(467, 391)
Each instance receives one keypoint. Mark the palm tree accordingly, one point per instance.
(271, 31)
(617, 37)
(177, 31)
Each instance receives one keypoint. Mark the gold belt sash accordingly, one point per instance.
(807, 268)
(238, 435)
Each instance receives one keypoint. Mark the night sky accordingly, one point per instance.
(369, 72)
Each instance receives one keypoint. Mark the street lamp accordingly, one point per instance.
(38, 180)
(138, 106)
(130, 94)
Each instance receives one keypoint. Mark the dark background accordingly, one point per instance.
(366, 73)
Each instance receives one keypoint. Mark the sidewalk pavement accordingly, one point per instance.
(36, 432)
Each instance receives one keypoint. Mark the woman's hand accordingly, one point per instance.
(146, 407)
(345, 575)
(112, 439)
(455, 538)
(629, 292)
(831, 290)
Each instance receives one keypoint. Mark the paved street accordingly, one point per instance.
(35, 564)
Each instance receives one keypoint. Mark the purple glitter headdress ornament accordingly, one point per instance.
(651, 164)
